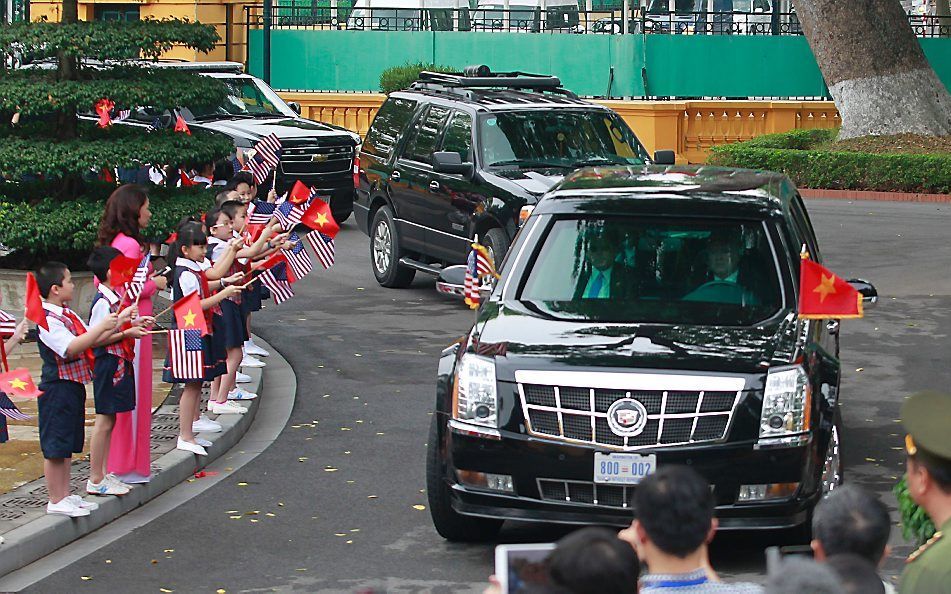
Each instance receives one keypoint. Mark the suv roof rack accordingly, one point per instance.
(480, 77)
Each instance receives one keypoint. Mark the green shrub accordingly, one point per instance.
(397, 78)
(801, 154)
(38, 229)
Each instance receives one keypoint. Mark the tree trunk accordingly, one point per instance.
(875, 68)
(942, 10)
(67, 70)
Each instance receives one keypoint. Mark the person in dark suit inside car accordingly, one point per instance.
(603, 273)
(728, 279)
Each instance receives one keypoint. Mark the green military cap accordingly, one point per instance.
(927, 416)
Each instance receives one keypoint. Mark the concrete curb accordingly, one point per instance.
(36, 539)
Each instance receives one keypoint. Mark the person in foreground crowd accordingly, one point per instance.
(851, 521)
(67, 366)
(799, 575)
(673, 527)
(857, 575)
(927, 418)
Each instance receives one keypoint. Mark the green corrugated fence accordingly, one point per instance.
(590, 65)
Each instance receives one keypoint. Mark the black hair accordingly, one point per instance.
(100, 259)
(211, 217)
(594, 561)
(231, 207)
(675, 508)
(852, 520)
(857, 575)
(223, 196)
(189, 233)
(937, 467)
(50, 274)
(241, 177)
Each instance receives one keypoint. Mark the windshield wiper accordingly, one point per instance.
(528, 163)
(600, 161)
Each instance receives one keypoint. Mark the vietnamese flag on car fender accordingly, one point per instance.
(189, 315)
(318, 217)
(822, 294)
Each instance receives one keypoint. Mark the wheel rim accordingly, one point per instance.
(831, 477)
(382, 245)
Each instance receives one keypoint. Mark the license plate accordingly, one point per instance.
(623, 469)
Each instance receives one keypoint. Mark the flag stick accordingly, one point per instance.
(274, 181)
(156, 331)
(164, 311)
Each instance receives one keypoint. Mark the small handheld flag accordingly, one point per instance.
(121, 270)
(281, 290)
(18, 382)
(189, 315)
(478, 265)
(103, 107)
(137, 284)
(323, 248)
(297, 258)
(8, 324)
(300, 193)
(265, 157)
(10, 410)
(288, 214)
(186, 358)
(318, 217)
(34, 304)
(180, 125)
(822, 294)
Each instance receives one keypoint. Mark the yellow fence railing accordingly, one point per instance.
(688, 127)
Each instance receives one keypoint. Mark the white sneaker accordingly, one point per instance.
(249, 361)
(252, 349)
(241, 394)
(226, 408)
(242, 378)
(191, 447)
(112, 478)
(82, 503)
(202, 442)
(66, 507)
(205, 425)
(106, 487)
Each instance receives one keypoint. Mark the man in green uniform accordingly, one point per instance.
(927, 418)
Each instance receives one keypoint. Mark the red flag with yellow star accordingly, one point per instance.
(822, 294)
(121, 270)
(189, 315)
(318, 217)
(18, 382)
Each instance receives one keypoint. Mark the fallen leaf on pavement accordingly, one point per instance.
(419, 507)
(242, 484)
(85, 578)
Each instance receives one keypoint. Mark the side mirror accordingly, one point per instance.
(448, 162)
(665, 157)
(294, 105)
(866, 289)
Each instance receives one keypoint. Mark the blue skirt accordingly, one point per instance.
(111, 397)
(213, 366)
(251, 297)
(230, 326)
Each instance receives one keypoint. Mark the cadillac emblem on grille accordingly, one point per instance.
(627, 417)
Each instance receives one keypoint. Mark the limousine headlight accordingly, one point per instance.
(475, 399)
(787, 403)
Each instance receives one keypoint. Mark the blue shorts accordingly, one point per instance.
(251, 297)
(62, 412)
(111, 397)
(230, 326)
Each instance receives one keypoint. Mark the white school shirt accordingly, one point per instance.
(189, 283)
(218, 248)
(57, 337)
(101, 308)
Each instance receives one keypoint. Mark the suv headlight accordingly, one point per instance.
(787, 402)
(475, 398)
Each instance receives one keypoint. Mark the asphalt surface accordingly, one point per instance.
(345, 480)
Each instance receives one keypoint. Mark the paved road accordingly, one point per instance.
(345, 477)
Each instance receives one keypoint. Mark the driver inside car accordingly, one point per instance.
(724, 281)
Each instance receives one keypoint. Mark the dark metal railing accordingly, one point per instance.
(553, 19)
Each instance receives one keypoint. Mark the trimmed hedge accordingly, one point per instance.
(801, 155)
(397, 78)
(46, 228)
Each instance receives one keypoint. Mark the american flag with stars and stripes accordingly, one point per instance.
(288, 214)
(267, 155)
(135, 286)
(323, 248)
(10, 410)
(155, 125)
(280, 289)
(478, 265)
(259, 213)
(8, 324)
(297, 258)
(185, 352)
(123, 114)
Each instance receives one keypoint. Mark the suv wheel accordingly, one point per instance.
(385, 251)
(497, 242)
(450, 524)
(832, 466)
(343, 214)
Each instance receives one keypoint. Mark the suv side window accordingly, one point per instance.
(422, 143)
(802, 220)
(390, 120)
(458, 138)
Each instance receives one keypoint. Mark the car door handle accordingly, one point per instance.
(395, 176)
(833, 326)
(434, 186)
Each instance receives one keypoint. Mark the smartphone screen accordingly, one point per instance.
(521, 568)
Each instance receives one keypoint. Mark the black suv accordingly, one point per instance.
(644, 317)
(457, 156)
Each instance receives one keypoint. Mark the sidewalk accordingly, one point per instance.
(30, 534)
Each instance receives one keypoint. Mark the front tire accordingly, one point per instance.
(497, 242)
(450, 524)
(385, 251)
